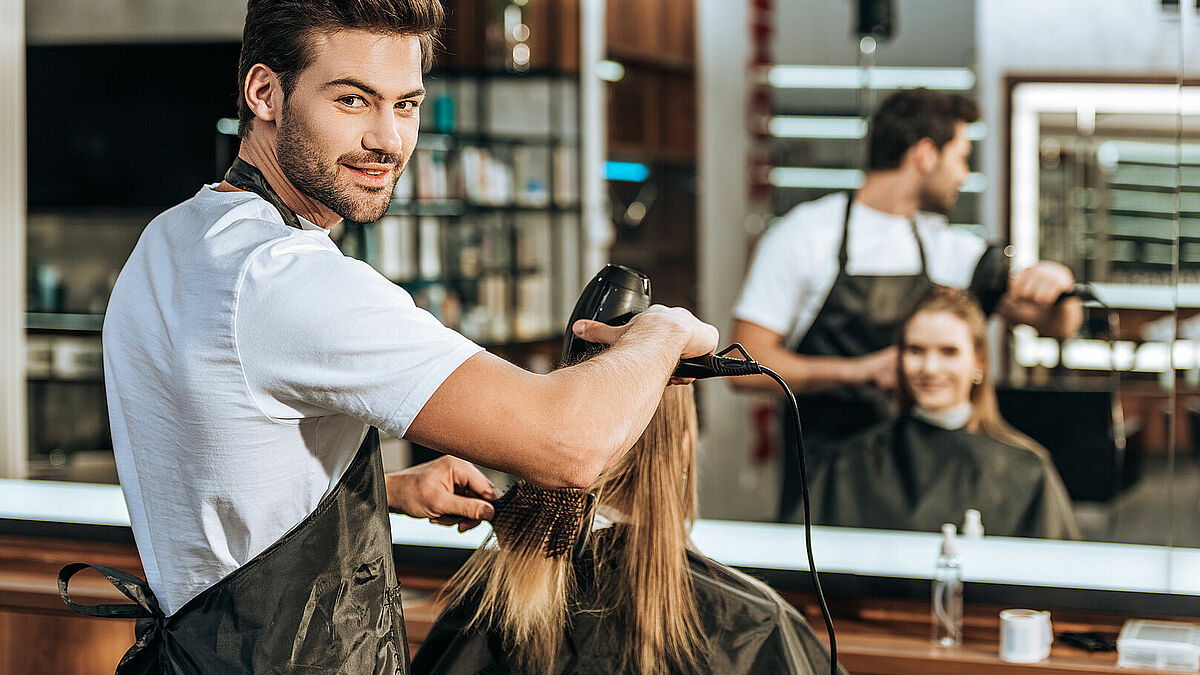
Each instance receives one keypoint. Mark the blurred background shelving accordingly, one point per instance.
(485, 229)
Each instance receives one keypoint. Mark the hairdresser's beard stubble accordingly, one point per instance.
(936, 200)
(300, 159)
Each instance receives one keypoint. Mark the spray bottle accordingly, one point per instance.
(947, 592)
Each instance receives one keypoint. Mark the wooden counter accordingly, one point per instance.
(38, 634)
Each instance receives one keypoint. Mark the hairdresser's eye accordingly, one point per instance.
(950, 352)
(407, 106)
(352, 101)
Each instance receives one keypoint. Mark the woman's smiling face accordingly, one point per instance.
(939, 363)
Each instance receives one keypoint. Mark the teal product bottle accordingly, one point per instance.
(443, 114)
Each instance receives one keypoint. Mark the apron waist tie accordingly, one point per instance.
(145, 607)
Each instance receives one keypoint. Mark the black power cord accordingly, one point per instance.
(812, 565)
(720, 365)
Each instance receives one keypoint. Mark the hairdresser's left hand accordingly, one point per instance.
(447, 491)
(1041, 284)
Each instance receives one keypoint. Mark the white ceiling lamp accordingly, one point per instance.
(813, 126)
(610, 71)
(853, 77)
(786, 126)
(846, 179)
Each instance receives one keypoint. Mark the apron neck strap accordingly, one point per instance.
(843, 250)
(245, 176)
(920, 246)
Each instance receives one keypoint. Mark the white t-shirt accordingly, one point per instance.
(796, 261)
(243, 361)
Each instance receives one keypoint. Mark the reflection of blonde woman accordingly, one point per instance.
(638, 599)
(950, 450)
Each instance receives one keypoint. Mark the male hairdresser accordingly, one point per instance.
(248, 363)
(831, 282)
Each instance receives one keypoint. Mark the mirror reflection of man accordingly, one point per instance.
(248, 363)
(831, 282)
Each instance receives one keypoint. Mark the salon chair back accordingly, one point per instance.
(1080, 429)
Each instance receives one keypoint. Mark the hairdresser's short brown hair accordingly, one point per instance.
(909, 115)
(278, 34)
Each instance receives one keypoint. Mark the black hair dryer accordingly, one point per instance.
(614, 296)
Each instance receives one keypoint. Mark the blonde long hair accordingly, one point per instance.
(985, 411)
(642, 569)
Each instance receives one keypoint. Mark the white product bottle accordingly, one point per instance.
(972, 525)
(947, 611)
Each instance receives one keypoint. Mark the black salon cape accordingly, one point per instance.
(911, 475)
(748, 633)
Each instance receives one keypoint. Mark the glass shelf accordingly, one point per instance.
(56, 321)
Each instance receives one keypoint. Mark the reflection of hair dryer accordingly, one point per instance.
(992, 274)
(1084, 291)
(614, 296)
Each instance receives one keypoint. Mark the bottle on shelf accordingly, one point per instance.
(443, 113)
(972, 524)
(947, 611)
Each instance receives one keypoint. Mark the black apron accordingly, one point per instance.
(861, 314)
(322, 599)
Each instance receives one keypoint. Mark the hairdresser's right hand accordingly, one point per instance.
(879, 368)
(696, 337)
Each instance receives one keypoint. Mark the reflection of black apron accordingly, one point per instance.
(862, 314)
(323, 598)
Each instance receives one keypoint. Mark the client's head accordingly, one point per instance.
(641, 570)
(943, 352)
(944, 363)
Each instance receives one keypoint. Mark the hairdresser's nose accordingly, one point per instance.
(383, 136)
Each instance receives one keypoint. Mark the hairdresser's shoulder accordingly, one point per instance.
(819, 217)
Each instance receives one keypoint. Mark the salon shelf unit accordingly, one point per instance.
(484, 225)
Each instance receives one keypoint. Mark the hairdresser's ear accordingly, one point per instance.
(924, 155)
(263, 92)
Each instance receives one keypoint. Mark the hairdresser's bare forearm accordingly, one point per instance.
(804, 374)
(557, 429)
(620, 388)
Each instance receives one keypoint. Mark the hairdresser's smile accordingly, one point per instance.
(376, 176)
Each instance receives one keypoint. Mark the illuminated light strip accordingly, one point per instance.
(853, 77)
(1158, 153)
(787, 126)
(610, 71)
(847, 179)
(631, 172)
(811, 126)
(1080, 354)
(227, 126)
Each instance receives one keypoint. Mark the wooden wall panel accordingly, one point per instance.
(634, 112)
(634, 26)
(61, 643)
(679, 30)
(679, 115)
(474, 36)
